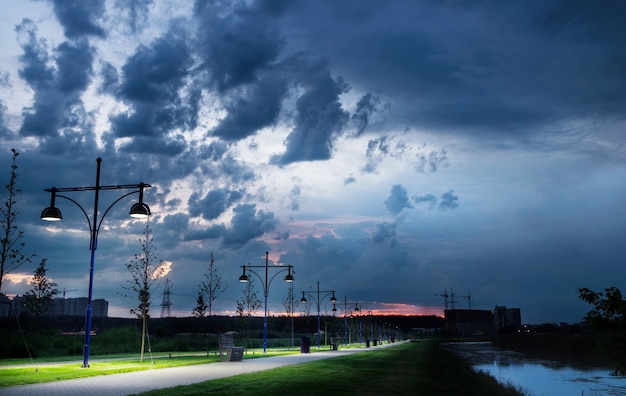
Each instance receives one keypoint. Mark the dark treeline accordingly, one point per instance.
(60, 335)
(279, 325)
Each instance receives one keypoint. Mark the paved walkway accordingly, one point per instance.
(143, 381)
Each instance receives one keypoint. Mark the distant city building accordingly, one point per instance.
(59, 307)
(18, 305)
(507, 319)
(77, 307)
(465, 322)
(5, 306)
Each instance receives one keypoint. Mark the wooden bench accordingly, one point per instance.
(228, 351)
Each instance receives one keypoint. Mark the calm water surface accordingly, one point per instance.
(538, 377)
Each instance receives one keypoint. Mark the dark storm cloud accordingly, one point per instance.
(214, 203)
(153, 78)
(431, 161)
(479, 67)
(154, 74)
(251, 109)
(382, 147)
(397, 200)
(215, 231)
(174, 228)
(281, 236)
(319, 119)
(365, 107)
(110, 79)
(385, 232)
(248, 223)
(57, 111)
(448, 200)
(235, 46)
(34, 62)
(330, 255)
(426, 198)
(74, 62)
(137, 12)
(377, 149)
(169, 146)
(176, 223)
(237, 172)
(80, 18)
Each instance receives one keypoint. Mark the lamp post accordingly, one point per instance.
(358, 309)
(345, 317)
(52, 213)
(318, 301)
(266, 285)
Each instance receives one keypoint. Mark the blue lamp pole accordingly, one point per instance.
(52, 213)
(266, 285)
(318, 301)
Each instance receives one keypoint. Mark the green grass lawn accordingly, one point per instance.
(38, 373)
(407, 369)
(410, 368)
(55, 370)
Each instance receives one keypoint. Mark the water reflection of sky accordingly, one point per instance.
(540, 377)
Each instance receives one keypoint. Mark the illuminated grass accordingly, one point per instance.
(406, 369)
(412, 368)
(51, 370)
(61, 371)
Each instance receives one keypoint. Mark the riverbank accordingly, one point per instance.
(577, 350)
(538, 376)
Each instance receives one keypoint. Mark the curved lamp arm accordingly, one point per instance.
(79, 207)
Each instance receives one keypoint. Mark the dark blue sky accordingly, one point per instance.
(389, 150)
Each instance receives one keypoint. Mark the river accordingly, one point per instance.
(538, 377)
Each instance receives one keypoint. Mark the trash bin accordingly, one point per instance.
(367, 343)
(305, 345)
(375, 342)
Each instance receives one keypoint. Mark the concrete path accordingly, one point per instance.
(143, 381)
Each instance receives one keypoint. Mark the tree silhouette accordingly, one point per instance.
(11, 249)
(608, 319)
(200, 309)
(211, 287)
(146, 270)
(248, 305)
(39, 298)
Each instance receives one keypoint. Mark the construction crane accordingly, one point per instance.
(166, 305)
(452, 298)
(64, 291)
(469, 299)
(445, 297)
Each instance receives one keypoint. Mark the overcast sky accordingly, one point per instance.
(390, 150)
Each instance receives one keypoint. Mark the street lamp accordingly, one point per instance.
(345, 317)
(245, 278)
(318, 301)
(358, 309)
(52, 213)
